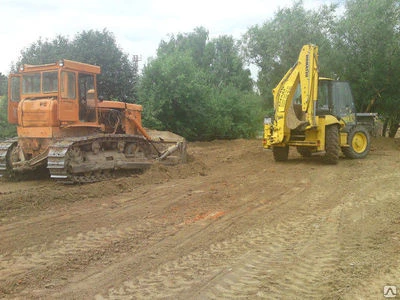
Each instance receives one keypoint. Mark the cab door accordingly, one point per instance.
(87, 97)
(14, 97)
(68, 104)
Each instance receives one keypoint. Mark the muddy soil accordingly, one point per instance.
(231, 223)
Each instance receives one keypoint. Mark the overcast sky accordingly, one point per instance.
(138, 26)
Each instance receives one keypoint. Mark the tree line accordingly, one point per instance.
(201, 87)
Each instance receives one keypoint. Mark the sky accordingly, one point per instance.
(138, 26)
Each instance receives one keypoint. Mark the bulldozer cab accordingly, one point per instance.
(335, 98)
(71, 84)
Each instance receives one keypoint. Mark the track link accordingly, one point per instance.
(95, 158)
(59, 158)
(4, 148)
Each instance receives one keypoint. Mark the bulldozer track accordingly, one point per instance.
(58, 158)
(4, 147)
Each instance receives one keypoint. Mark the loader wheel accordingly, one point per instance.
(331, 144)
(359, 143)
(280, 153)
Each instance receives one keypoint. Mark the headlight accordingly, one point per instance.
(267, 121)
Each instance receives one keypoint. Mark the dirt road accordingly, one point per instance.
(231, 223)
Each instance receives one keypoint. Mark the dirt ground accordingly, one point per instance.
(231, 223)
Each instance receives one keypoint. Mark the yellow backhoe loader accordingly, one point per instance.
(315, 115)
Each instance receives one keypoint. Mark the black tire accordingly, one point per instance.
(280, 153)
(332, 147)
(359, 143)
(304, 151)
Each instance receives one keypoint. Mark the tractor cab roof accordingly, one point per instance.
(62, 64)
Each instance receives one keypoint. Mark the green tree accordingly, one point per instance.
(174, 93)
(119, 72)
(199, 88)
(219, 57)
(3, 84)
(225, 66)
(44, 52)
(234, 114)
(369, 40)
(6, 130)
(194, 43)
(274, 46)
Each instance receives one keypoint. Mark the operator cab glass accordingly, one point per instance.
(31, 83)
(14, 97)
(323, 98)
(87, 102)
(335, 98)
(15, 89)
(40, 83)
(50, 82)
(68, 89)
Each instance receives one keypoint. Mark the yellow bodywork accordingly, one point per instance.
(314, 136)
(295, 108)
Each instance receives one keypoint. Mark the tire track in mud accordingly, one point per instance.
(373, 260)
(23, 263)
(46, 256)
(294, 253)
(150, 229)
(267, 262)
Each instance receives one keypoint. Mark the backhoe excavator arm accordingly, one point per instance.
(295, 107)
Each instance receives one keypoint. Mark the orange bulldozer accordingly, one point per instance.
(65, 127)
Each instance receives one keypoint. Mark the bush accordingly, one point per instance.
(177, 96)
(6, 130)
(233, 114)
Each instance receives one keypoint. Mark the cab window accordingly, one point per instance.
(87, 101)
(31, 83)
(343, 104)
(50, 82)
(15, 89)
(323, 95)
(68, 88)
(86, 83)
